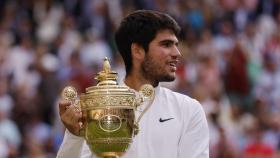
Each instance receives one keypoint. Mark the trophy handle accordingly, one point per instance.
(69, 93)
(78, 106)
(147, 92)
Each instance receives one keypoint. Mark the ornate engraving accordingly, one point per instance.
(110, 140)
(69, 93)
(147, 90)
(109, 101)
(110, 123)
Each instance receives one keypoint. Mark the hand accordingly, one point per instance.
(70, 116)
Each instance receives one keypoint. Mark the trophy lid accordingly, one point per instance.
(107, 76)
(108, 91)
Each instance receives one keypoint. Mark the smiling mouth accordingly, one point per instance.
(173, 65)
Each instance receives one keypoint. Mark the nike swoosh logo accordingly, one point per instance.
(163, 120)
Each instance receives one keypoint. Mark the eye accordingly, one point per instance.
(167, 44)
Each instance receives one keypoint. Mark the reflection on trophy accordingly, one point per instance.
(109, 122)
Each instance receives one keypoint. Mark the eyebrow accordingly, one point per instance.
(169, 41)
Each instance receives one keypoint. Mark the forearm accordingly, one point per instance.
(71, 146)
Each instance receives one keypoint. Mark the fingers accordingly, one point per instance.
(72, 115)
(71, 119)
(63, 105)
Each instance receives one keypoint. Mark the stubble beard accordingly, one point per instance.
(154, 73)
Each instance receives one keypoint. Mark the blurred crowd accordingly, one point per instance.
(230, 63)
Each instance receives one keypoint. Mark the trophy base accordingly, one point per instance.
(110, 155)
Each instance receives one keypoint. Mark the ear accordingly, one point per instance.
(137, 52)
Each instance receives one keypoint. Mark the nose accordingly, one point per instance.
(176, 53)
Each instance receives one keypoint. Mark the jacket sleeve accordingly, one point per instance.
(194, 142)
(73, 147)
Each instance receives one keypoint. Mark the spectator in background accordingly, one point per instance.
(9, 132)
(253, 47)
(268, 84)
(4, 150)
(257, 148)
(94, 49)
(20, 62)
(236, 78)
(79, 75)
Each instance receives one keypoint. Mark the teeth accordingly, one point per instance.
(172, 64)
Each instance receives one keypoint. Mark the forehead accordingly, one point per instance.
(165, 34)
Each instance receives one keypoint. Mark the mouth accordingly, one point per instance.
(173, 65)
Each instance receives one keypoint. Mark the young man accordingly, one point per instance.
(175, 125)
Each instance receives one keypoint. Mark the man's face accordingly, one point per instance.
(162, 58)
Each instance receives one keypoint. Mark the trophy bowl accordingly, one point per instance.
(108, 111)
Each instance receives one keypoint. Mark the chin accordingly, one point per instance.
(168, 78)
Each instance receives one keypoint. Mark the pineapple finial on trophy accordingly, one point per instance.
(106, 65)
(107, 76)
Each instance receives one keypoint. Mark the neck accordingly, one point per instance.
(135, 81)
